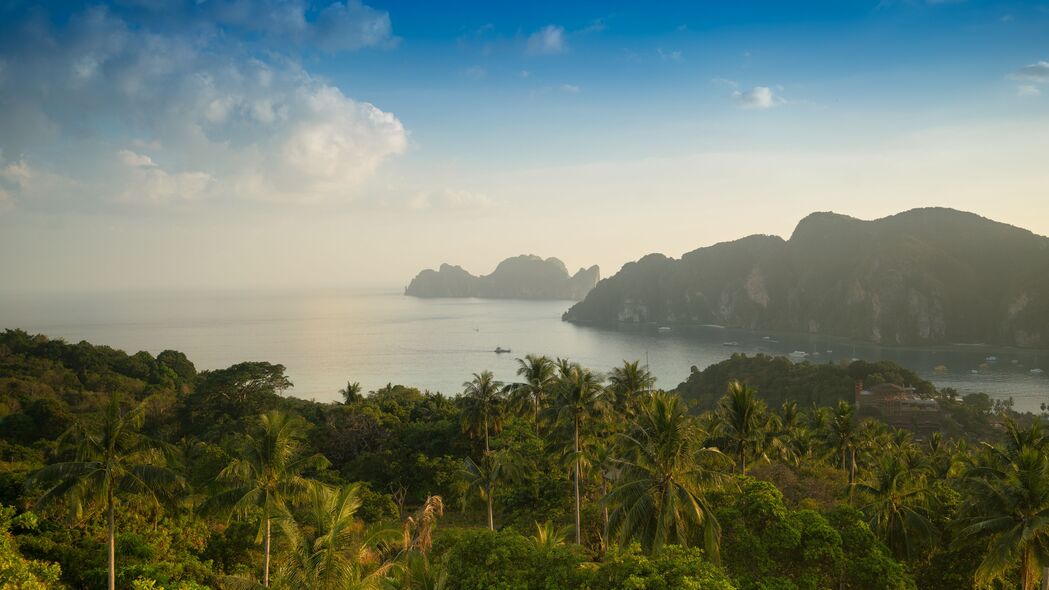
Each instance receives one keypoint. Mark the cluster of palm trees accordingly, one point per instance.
(657, 463)
(640, 454)
(325, 545)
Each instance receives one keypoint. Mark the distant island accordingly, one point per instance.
(925, 276)
(520, 277)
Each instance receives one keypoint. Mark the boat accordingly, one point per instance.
(663, 329)
(940, 368)
(1037, 371)
(732, 343)
(991, 359)
(501, 350)
(799, 354)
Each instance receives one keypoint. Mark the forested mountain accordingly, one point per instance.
(925, 276)
(520, 277)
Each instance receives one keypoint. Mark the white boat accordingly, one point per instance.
(1037, 371)
(799, 354)
(991, 359)
(732, 343)
(663, 329)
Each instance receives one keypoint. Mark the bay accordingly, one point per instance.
(379, 336)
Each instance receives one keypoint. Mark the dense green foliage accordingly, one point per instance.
(216, 480)
(780, 380)
(919, 277)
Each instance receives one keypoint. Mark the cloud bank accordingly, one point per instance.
(96, 111)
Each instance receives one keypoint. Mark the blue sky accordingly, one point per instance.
(205, 143)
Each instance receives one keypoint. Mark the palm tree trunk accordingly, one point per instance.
(742, 459)
(491, 518)
(604, 535)
(1045, 578)
(537, 416)
(112, 539)
(578, 524)
(266, 552)
(486, 449)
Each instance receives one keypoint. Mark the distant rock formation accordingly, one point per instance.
(520, 277)
(926, 276)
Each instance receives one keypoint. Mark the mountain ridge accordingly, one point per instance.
(924, 276)
(519, 277)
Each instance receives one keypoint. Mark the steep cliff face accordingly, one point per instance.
(520, 277)
(925, 276)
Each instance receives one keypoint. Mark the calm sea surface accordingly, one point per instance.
(325, 338)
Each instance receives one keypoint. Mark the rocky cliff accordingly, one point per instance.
(520, 277)
(926, 276)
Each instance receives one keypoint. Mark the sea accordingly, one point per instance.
(328, 337)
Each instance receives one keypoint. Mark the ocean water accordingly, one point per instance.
(327, 337)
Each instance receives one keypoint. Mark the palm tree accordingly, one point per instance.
(352, 392)
(898, 506)
(484, 475)
(580, 398)
(627, 383)
(330, 548)
(548, 536)
(660, 498)
(740, 417)
(842, 437)
(267, 475)
(112, 459)
(482, 405)
(1007, 510)
(538, 374)
(417, 530)
(1007, 506)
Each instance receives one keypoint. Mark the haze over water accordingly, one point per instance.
(327, 337)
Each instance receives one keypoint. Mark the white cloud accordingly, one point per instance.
(758, 97)
(475, 72)
(449, 199)
(548, 40)
(1037, 72)
(669, 55)
(130, 158)
(1028, 90)
(353, 25)
(221, 123)
(570, 88)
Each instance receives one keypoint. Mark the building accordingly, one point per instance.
(899, 407)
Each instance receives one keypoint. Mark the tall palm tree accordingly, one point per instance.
(351, 393)
(580, 399)
(659, 498)
(843, 437)
(627, 384)
(898, 506)
(538, 373)
(1007, 510)
(1007, 505)
(482, 406)
(484, 475)
(266, 477)
(329, 547)
(740, 416)
(110, 460)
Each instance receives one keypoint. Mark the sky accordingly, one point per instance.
(228, 144)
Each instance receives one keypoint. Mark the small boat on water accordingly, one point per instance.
(991, 359)
(663, 329)
(799, 354)
(940, 368)
(1037, 371)
(732, 343)
(501, 350)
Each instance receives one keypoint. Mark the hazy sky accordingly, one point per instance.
(160, 144)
